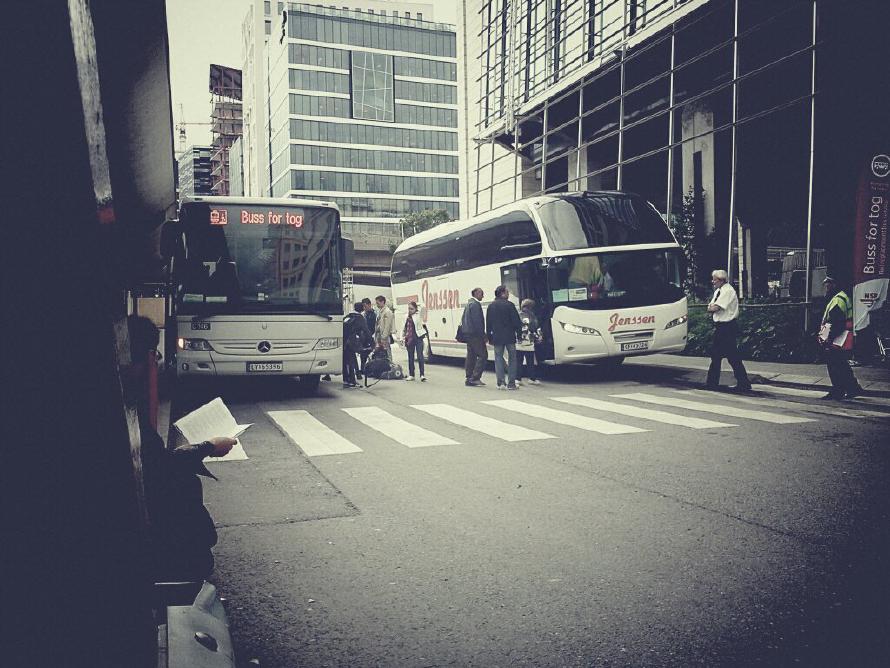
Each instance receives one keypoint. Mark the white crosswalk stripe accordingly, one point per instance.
(643, 413)
(724, 409)
(816, 394)
(496, 428)
(312, 436)
(397, 429)
(822, 409)
(565, 417)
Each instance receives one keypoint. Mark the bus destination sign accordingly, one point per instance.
(249, 217)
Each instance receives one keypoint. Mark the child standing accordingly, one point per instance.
(529, 337)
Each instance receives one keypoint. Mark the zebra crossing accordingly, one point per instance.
(666, 408)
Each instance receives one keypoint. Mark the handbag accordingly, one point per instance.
(460, 337)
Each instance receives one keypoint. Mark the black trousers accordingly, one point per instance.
(842, 378)
(477, 356)
(526, 365)
(349, 366)
(724, 344)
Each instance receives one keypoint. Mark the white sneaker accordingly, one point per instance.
(409, 377)
(502, 387)
(518, 383)
(535, 382)
(423, 379)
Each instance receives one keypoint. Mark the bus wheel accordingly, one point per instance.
(309, 384)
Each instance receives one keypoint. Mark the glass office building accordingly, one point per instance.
(194, 171)
(745, 122)
(363, 112)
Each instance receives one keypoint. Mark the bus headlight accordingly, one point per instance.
(194, 345)
(328, 344)
(677, 321)
(578, 329)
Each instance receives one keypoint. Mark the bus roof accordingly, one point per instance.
(261, 201)
(457, 225)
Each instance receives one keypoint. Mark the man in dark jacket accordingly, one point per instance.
(181, 529)
(472, 325)
(836, 337)
(503, 329)
(356, 341)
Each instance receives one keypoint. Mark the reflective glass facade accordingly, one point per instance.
(355, 133)
(704, 107)
(372, 86)
(355, 158)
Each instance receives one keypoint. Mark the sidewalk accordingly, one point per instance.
(873, 379)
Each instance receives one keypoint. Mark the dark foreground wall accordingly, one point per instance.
(87, 173)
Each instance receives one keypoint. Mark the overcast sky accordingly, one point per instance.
(209, 31)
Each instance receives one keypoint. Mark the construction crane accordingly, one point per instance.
(181, 131)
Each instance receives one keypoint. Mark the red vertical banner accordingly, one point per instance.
(871, 273)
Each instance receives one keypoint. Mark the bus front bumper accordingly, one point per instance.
(194, 364)
(591, 347)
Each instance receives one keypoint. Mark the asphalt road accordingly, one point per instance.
(668, 545)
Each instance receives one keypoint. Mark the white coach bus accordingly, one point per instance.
(604, 269)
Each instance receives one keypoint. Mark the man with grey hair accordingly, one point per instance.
(724, 310)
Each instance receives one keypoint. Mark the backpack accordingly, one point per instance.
(380, 367)
(356, 337)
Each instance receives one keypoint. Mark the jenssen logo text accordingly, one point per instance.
(616, 321)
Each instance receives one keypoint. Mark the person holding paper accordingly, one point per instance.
(181, 529)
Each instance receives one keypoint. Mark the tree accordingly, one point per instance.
(419, 221)
(683, 226)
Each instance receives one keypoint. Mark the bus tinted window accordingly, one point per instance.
(501, 239)
(602, 220)
(624, 279)
(258, 258)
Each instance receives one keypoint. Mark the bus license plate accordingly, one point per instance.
(264, 367)
(639, 345)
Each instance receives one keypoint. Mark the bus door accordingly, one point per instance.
(528, 280)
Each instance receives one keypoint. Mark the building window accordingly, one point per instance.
(372, 86)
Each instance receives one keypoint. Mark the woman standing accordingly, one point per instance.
(529, 337)
(413, 334)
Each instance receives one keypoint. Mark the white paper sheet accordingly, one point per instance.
(213, 419)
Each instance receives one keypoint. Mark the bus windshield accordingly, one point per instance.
(616, 280)
(258, 259)
(602, 219)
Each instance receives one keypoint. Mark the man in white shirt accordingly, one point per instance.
(724, 310)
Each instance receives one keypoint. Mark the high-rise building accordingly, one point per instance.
(194, 171)
(364, 113)
(226, 126)
(746, 122)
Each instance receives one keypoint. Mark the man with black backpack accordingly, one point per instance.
(356, 339)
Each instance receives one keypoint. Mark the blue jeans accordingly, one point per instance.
(415, 348)
(499, 362)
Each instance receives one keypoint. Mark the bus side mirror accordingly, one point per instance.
(171, 240)
(347, 252)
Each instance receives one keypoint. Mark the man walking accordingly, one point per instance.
(472, 325)
(724, 310)
(504, 327)
(836, 338)
(384, 326)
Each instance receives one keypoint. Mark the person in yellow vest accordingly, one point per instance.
(836, 338)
